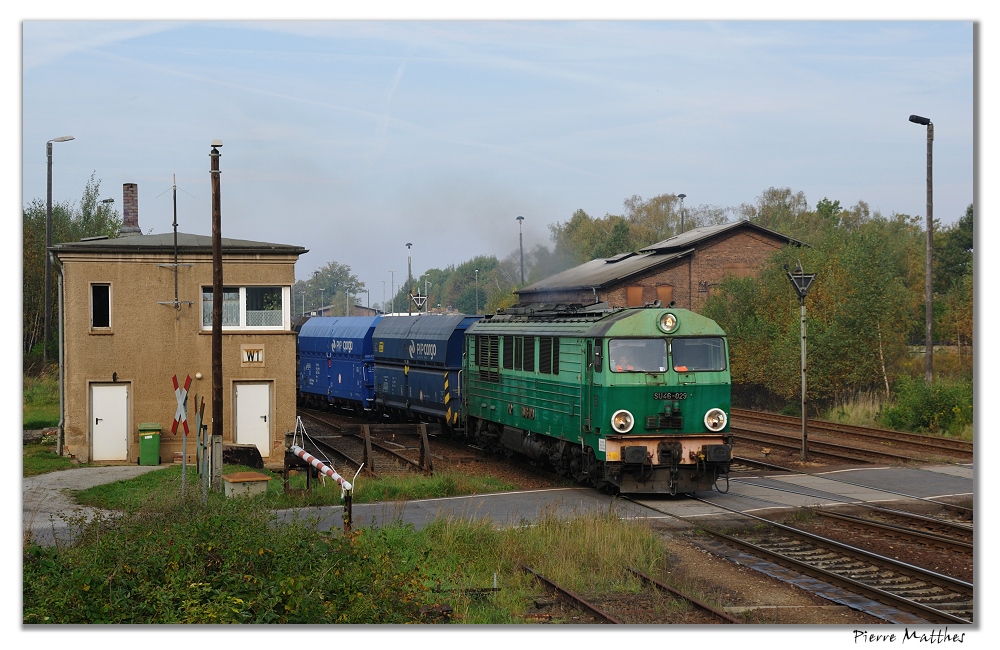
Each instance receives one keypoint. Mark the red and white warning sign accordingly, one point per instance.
(180, 416)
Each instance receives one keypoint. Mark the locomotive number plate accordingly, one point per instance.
(670, 396)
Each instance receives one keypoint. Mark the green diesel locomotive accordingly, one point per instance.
(633, 398)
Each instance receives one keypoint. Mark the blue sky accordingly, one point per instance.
(352, 138)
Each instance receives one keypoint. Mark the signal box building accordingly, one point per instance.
(682, 269)
(132, 320)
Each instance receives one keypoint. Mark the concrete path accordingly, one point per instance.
(49, 507)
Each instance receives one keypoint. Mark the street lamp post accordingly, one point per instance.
(681, 197)
(477, 291)
(303, 302)
(392, 292)
(409, 282)
(928, 307)
(801, 281)
(48, 244)
(520, 239)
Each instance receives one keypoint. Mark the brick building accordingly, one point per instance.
(682, 269)
(132, 319)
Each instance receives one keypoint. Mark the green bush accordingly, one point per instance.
(227, 563)
(40, 401)
(944, 406)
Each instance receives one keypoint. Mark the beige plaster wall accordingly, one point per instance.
(148, 343)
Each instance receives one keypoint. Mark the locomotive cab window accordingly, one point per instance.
(637, 355)
(699, 354)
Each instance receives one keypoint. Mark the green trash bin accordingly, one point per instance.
(149, 443)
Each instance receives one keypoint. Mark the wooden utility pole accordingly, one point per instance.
(216, 307)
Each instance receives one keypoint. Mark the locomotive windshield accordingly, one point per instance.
(698, 354)
(638, 355)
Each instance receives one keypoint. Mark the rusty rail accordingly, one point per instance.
(579, 601)
(691, 599)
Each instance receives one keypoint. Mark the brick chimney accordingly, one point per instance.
(130, 201)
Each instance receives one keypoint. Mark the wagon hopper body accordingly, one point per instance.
(418, 365)
(336, 361)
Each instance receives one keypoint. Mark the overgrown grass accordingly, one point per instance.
(863, 409)
(40, 402)
(587, 554)
(39, 459)
(162, 485)
(173, 561)
(943, 408)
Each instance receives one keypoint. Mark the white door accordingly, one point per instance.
(109, 421)
(253, 416)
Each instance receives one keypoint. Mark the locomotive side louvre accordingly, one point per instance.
(336, 361)
(418, 362)
(564, 409)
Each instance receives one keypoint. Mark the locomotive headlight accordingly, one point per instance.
(715, 419)
(622, 421)
(668, 323)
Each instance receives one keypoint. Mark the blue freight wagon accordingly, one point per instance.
(336, 361)
(418, 363)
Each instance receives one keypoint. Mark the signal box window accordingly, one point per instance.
(100, 306)
(248, 307)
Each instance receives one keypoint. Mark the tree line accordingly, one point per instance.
(865, 309)
(71, 221)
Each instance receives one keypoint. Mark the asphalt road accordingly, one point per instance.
(49, 508)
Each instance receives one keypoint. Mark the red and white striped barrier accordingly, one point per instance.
(312, 460)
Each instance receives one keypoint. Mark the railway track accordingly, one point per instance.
(907, 587)
(912, 445)
(657, 603)
(910, 534)
(931, 596)
(761, 438)
(342, 441)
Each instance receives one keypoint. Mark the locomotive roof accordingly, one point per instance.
(635, 321)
